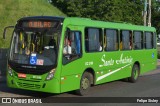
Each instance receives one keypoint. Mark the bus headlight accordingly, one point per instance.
(10, 71)
(50, 74)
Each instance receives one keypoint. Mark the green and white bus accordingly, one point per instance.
(56, 54)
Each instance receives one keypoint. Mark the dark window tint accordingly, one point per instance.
(93, 39)
(148, 40)
(137, 40)
(125, 40)
(111, 37)
(154, 40)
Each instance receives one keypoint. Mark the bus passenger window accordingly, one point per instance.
(111, 40)
(130, 40)
(93, 40)
(148, 40)
(154, 41)
(137, 40)
(72, 46)
(125, 40)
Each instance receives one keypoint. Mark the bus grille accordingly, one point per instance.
(31, 86)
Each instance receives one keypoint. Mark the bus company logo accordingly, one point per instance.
(6, 100)
(121, 60)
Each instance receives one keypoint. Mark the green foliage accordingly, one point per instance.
(12, 10)
(108, 10)
(156, 15)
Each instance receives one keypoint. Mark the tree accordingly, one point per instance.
(107, 10)
(60, 4)
(156, 15)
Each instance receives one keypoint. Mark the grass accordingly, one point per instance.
(12, 10)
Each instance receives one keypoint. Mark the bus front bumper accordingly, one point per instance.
(51, 86)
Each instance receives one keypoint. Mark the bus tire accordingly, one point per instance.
(85, 84)
(135, 73)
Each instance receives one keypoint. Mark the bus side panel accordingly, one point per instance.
(71, 72)
(121, 67)
(112, 66)
(71, 75)
(123, 73)
(149, 60)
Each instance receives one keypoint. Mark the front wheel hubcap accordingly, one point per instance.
(85, 83)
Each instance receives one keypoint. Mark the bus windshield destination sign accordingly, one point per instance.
(39, 24)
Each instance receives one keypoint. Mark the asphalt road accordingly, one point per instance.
(148, 85)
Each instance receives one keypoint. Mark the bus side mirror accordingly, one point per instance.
(5, 29)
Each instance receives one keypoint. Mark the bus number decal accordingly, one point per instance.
(36, 77)
(89, 63)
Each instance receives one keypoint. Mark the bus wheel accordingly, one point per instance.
(135, 73)
(85, 84)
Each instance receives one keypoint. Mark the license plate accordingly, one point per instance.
(20, 75)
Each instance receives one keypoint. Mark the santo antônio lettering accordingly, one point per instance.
(39, 24)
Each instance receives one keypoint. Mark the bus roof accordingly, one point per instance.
(102, 24)
(93, 23)
(41, 17)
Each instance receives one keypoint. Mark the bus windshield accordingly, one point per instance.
(36, 47)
